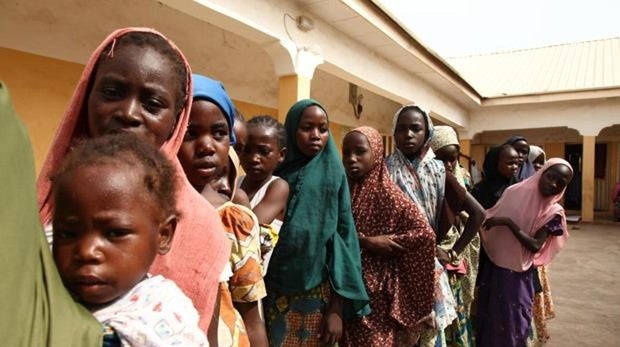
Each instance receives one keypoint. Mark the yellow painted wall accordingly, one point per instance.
(338, 136)
(465, 149)
(250, 110)
(40, 88)
(477, 153)
(613, 173)
(554, 149)
(587, 181)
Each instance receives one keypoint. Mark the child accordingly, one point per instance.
(137, 81)
(226, 184)
(526, 228)
(520, 144)
(240, 129)
(436, 192)
(616, 201)
(264, 151)
(204, 157)
(315, 277)
(501, 165)
(394, 234)
(543, 309)
(537, 157)
(115, 210)
(462, 274)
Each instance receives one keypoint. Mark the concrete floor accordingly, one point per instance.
(585, 284)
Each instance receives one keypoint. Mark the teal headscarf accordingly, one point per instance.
(318, 241)
(37, 310)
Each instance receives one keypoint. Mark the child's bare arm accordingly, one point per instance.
(476, 217)
(274, 203)
(254, 325)
(213, 327)
(533, 244)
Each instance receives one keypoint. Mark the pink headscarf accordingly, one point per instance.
(200, 248)
(526, 206)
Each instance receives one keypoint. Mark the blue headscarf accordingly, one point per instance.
(213, 91)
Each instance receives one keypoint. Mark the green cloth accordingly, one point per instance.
(318, 241)
(36, 308)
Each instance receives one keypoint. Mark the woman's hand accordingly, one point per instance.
(443, 256)
(331, 324)
(331, 328)
(382, 245)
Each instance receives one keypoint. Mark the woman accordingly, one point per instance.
(37, 310)
(525, 229)
(395, 235)
(138, 81)
(425, 181)
(315, 278)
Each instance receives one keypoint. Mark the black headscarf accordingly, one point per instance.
(489, 190)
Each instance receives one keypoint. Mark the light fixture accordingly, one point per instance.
(304, 23)
(355, 99)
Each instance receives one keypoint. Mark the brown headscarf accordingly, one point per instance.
(200, 248)
(381, 208)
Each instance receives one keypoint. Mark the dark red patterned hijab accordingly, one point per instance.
(381, 208)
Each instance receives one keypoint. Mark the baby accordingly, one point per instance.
(115, 210)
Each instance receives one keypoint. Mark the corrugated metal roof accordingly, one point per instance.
(567, 67)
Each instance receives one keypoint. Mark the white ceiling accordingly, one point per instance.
(344, 19)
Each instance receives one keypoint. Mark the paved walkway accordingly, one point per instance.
(585, 282)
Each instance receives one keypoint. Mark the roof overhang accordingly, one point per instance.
(560, 96)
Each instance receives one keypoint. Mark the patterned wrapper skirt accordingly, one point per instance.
(295, 320)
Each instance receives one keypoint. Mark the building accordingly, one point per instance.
(270, 53)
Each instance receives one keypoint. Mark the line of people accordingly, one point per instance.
(172, 221)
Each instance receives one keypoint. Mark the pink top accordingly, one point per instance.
(526, 206)
(200, 248)
(616, 195)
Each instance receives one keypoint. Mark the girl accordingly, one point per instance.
(616, 201)
(543, 302)
(264, 151)
(537, 157)
(138, 81)
(462, 277)
(445, 145)
(114, 211)
(240, 129)
(500, 167)
(204, 157)
(37, 310)
(425, 181)
(395, 235)
(526, 228)
(315, 277)
(520, 144)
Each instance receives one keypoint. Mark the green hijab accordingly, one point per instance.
(36, 308)
(318, 241)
